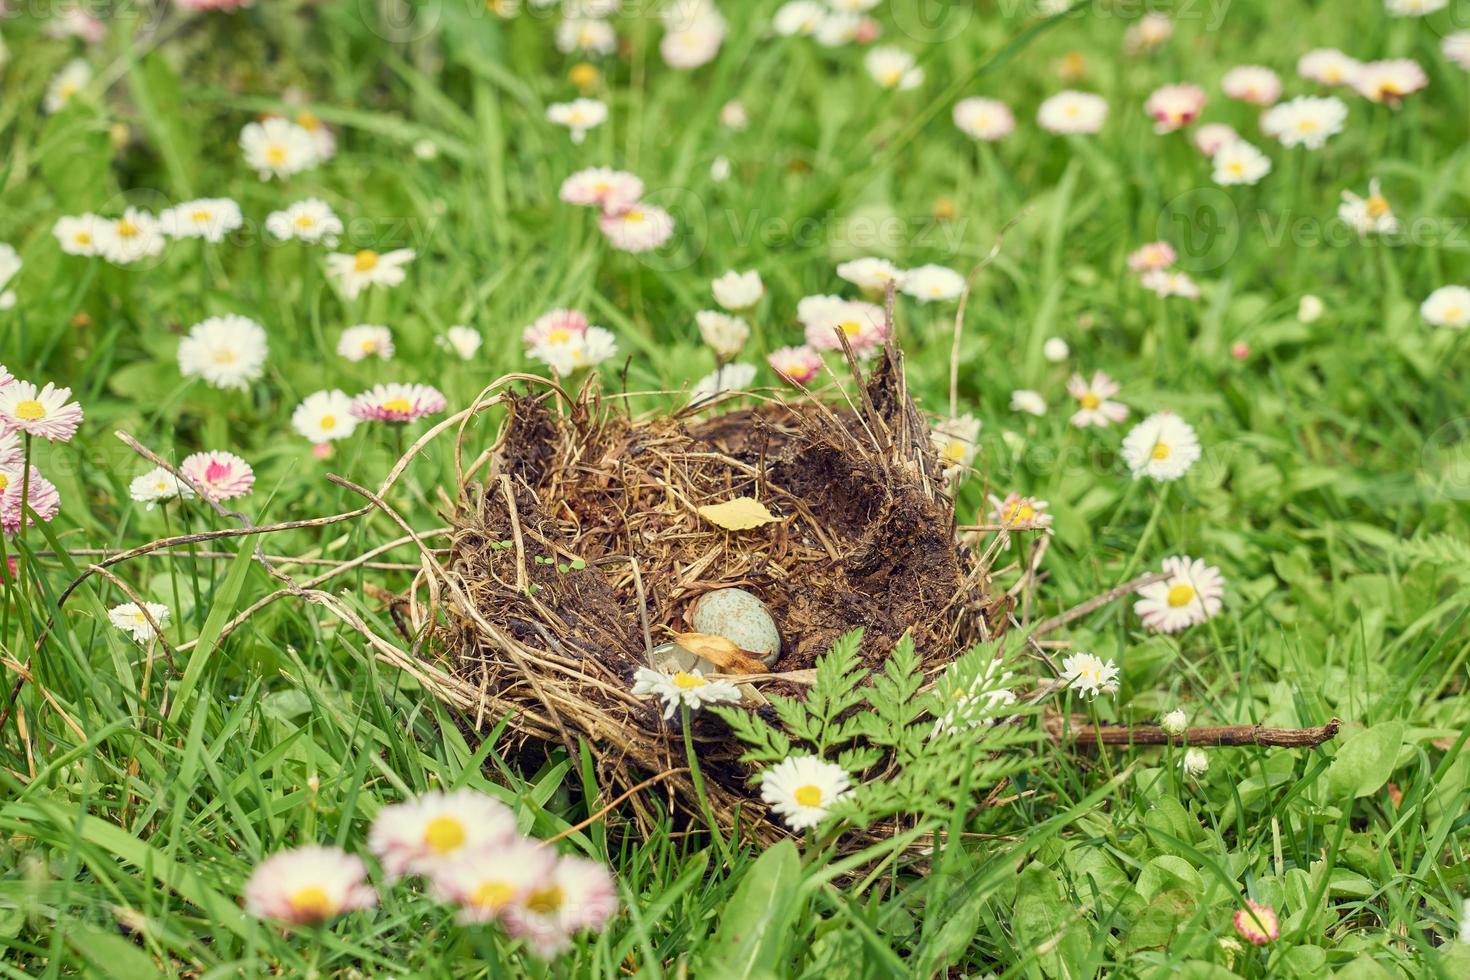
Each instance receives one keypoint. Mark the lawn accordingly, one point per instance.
(1182, 314)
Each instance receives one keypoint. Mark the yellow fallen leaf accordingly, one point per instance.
(739, 514)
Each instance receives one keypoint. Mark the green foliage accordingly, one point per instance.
(884, 729)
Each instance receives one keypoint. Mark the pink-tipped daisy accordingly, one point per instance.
(602, 187)
(1093, 404)
(308, 886)
(489, 882)
(579, 895)
(1257, 923)
(799, 365)
(1173, 107)
(1154, 255)
(637, 228)
(396, 402)
(555, 326)
(220, 475)
(40, 497)
(439, 830)
(45, 413)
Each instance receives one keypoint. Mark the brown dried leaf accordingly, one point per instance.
(740, 514)
(721, 652)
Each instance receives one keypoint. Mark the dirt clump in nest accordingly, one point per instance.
(584, 546)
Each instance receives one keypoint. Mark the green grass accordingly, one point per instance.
(136, 800)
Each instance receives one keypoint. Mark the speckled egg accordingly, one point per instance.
(740, 617)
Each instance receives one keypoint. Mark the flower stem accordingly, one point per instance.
(697, 778)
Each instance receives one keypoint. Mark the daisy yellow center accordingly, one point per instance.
(312, 902)
(559, 335)
(399, 404)
(83, 238)
(1180, 595)
(687, 682)
(67, 90)
(575, 117)
(954, 451)
(30, 410)
(368, 346)
(583, 75)
(127, 229)
(1090, 401)
(492, 895)
(1388, 88)
(601, 187)
(200, 215)
(1306, 125)
(140, 617)
(1377, 206)
(851, 327)
(546, 901)
(1073, 112)
(444, 834)
(891, 76)
(224, 356)
(365, 260)
(275, 154)
(308, 121)
(1020, 511)
(1161, 450)
(808, 795)
(1453, 313)
(328, 422)
(305, 221)
(1235, 167)
(633, 217)
(4, 482)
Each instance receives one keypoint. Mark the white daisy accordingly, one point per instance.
(309, 220)
(724, 333)
(1240, 163)
(324, 416)
(159, 486)
(893, 68)
(1072, 112)
(366, 340)
(1306, 120)
(1161, 447)
(80, 234)
(1028, 401)
(984, 119)
(801, 789)
(65, 84)
(1255, 84)
(1170, 282)
(871, 275)
(226, 351)
(278, 147)
(1210, 137)
(955, 441)
(1369, 215)
(933, 283)
(131, 619)
(1189, 596)
(1447, 306)
(1090, 675)
(1093, 404)
(439, 830)
(798, 17)
(1195, 762)
(464, 341)
(364, 268)
(737, 291)
(686, 688)
(1414, 8)
(10, 264)
(726, 377)
(565, 352)
(132, 237)
(1327, 66)
(1456, 47)
(1309, 308)
(975, 705)
(209, 218)
(578, 116)
(694, 41)
(1055, 350)
(589, 34)
(640, 227)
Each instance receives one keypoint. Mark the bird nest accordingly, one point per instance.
(583, 547)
